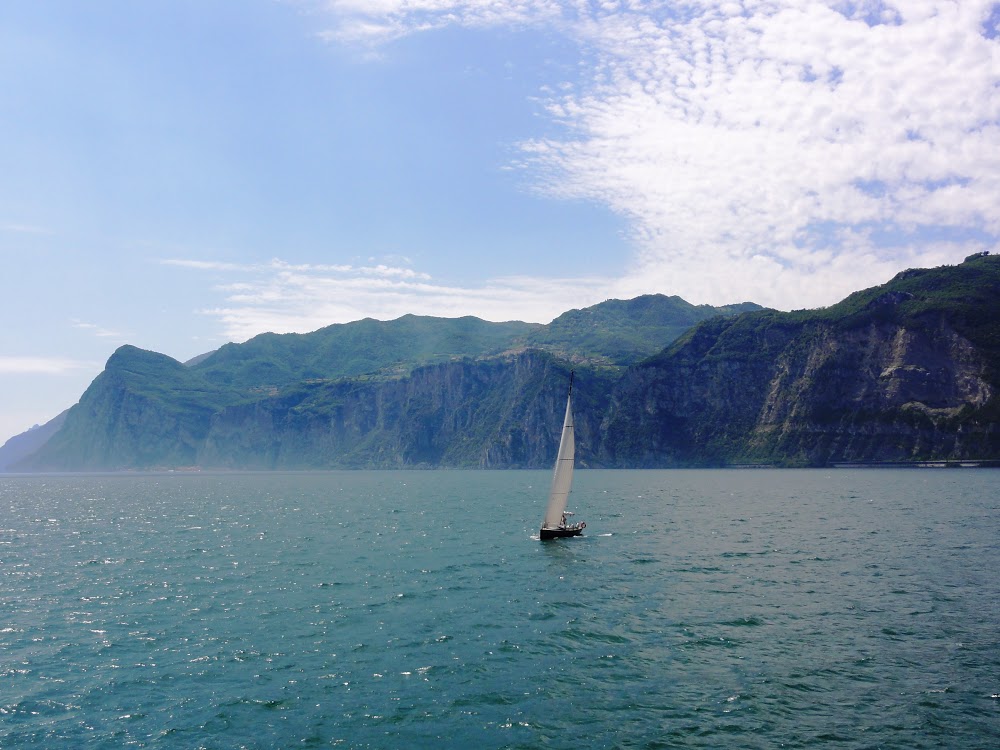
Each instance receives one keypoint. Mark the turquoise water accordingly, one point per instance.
(709, 609)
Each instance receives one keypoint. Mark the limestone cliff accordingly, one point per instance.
(494, 413)
(145, 411)
(908, 371)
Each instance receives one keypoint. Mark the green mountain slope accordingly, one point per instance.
(145, 410)
(904, 371)
(617, 332)
(365, 346)
(302, 399)
(622, 332)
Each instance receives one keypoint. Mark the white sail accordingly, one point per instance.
(562, 476)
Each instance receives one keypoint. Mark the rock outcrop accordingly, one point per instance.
(906, 372)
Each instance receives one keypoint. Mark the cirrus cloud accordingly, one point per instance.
(781, 151)
(283, 297)
(44, 366)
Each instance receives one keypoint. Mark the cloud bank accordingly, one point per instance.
(282, 297)
(44, 366)
(784, 152)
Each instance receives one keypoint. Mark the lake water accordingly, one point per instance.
(708, 609)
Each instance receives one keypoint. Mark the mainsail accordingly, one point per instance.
(562, 476)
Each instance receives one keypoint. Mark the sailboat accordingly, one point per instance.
(554, 525)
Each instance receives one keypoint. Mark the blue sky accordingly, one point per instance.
(178, 174)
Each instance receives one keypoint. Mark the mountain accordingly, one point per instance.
(906, 371)
(416, 391)
(615, 332)
(21, 446)
(145, 409)
(499, 412)
(622, 332)
(349, 349)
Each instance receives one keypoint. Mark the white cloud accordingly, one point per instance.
(204, 265)
(782, 151)
(283, 297)
(378, 21)
(96, 330)
(44, 366)
(280, 266)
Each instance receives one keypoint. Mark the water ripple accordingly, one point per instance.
(746, 609)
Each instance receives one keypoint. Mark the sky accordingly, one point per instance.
(178, 174)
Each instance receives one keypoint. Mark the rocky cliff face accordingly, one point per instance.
(881, 393)
(890, 379)
(144, 411)
(496, 413)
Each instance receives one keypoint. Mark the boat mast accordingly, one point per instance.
(562, 477)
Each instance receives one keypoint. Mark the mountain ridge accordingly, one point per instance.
(907, 371)
(147, 410)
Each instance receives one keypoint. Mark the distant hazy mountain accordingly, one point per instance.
(907, 371)
(261, 403)
(21, 446)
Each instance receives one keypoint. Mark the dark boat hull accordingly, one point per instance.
(560, 533)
